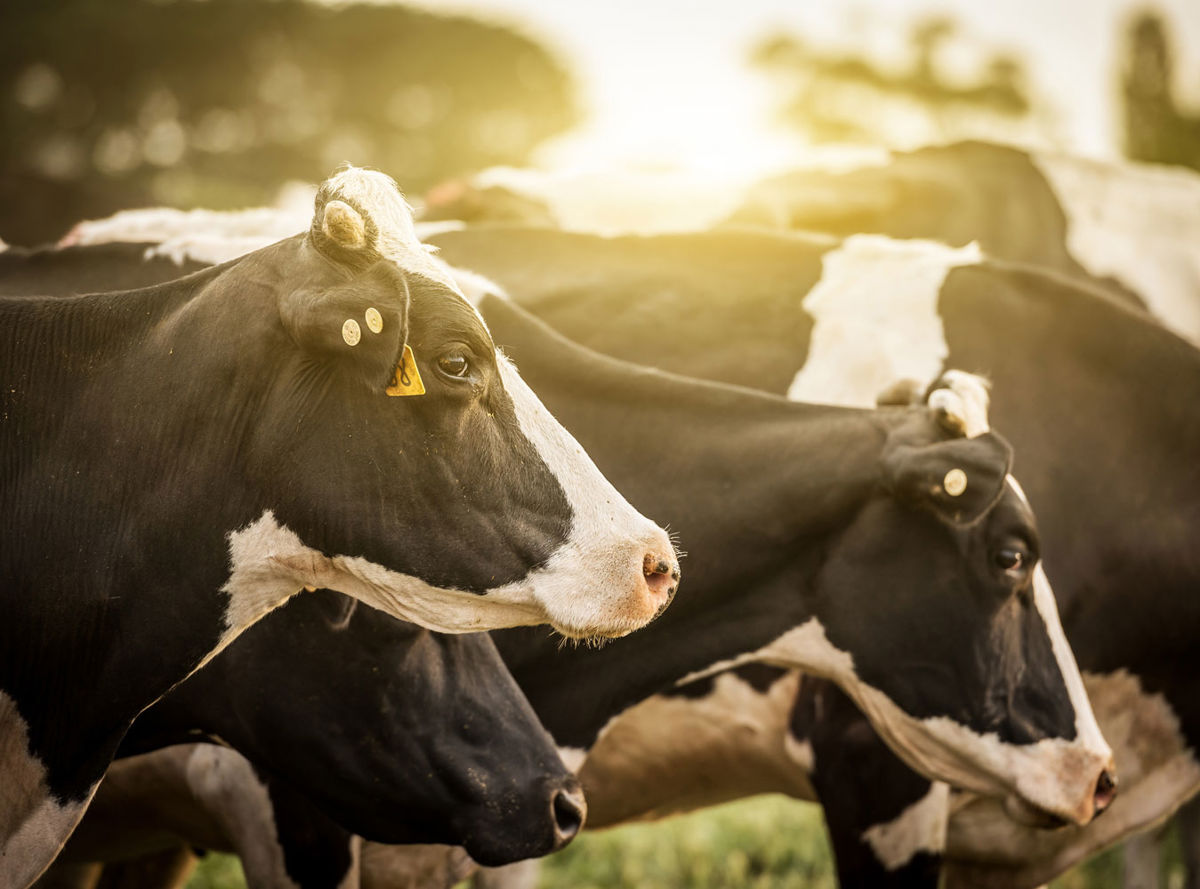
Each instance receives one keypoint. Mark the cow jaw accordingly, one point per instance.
(1052, 775)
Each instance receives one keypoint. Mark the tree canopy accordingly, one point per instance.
(107, 104)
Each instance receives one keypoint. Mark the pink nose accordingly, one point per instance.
(662, 577)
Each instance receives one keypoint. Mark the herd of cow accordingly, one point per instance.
(219, 445)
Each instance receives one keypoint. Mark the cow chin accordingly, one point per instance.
(1028, 815)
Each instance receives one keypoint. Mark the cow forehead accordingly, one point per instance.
(378, 198)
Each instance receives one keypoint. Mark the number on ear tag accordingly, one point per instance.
(406, 380)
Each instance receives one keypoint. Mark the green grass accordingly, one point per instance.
(768, 842)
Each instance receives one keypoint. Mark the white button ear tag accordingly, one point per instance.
(374, 320)
(955, 482)
(351, 332)
(406, 380)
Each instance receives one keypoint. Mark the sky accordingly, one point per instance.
(666, 80)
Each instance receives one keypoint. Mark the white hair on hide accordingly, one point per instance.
(963, 398)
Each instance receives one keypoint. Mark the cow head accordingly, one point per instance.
(935, 615)
(395, 455)
(404, 736)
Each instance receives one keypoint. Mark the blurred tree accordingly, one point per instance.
(1156, 128)
(835, 96)
(107, 104)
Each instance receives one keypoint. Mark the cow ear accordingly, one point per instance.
(360, 326)
(960, 478)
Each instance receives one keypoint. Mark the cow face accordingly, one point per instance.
(404, 735)
(399, 458)
(946, 632)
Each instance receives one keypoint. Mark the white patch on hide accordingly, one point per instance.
(262, 225)
(876, 321)
(33, 824)
(919, 828)
(1137, 223)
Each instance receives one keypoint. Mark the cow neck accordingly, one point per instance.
(751, 484)
(86, 382)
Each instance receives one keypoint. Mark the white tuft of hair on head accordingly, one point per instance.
(964, 399)
(377, 195)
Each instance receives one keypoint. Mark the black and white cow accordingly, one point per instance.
(1134, 229)
(797, 514)
(1099, 400)
(182, 459)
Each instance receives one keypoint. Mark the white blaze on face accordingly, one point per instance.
(33, 824)
(919, 828)
(1137, 223)
(1086, 728)
(595, 579)
(875, 318)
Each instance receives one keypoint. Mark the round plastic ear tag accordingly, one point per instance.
(955, 482)
(374, 320)
(351, 332)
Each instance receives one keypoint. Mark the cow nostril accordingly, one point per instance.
(660, 571)
(1106, 790)
(569, 810)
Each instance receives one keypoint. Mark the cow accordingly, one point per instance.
(861, 499)
(405, 736)
(180, 460)
(1076, 373)
(1132, 229)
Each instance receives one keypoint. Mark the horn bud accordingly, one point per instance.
(343, 225)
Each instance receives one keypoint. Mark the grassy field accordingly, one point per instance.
(763, 843)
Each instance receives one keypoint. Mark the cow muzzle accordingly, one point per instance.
(1103, 792)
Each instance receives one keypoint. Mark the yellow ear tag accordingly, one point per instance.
(406, 380)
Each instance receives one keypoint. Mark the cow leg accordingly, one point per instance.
(414, 866)
(1141, 866)
(518, 875)
(71, 875)
(169, 869)
(887, 825)
(317, 852)
(283, 841)
(1188, 821)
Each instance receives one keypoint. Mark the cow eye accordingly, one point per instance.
(1011, 560)
(455, 364)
